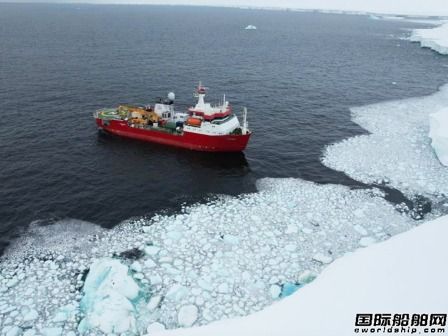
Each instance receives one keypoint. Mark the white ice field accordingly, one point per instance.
(438, 126)
(362, 281)
(223, 259)
(231, 257)
(398, 149)
(435, 38)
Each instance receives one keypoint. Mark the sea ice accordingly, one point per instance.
(109, 295)
(13, 331)
(434, 38)
(306, 277)
(154, 302)
(218, 268)
(152, 250)
(136, 266)
(68, 235)
(322, 258)
(275, 291)
(187, 315)
(398, 150)
(31, 315)
(154, 328)
(52, 331)
(289, 288)
(366, 241)
(438, 132)
(367, 280)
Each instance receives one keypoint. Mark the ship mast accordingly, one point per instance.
(200, 91)
(244, 129)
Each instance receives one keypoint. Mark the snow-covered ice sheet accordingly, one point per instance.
(398, 149)
(438, 132)
(434, 38)
(367, 281)
(230, 257)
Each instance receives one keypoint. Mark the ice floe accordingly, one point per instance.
(230, 257)
(364, 281)
(438, 132)
(109, 298)
(434, 38)
(398, 150)
(187, 315)
(154, 328)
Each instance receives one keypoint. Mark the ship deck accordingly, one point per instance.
(110, 114)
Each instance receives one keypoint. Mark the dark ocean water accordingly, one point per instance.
(298, 74)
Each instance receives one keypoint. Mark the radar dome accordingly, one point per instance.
(171, 96)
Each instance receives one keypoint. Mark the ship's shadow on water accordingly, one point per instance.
(232, 163)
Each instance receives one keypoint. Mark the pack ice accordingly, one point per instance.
(434, 38)
(398, 149)
(364, 281)
(438, 132)
(227, 258)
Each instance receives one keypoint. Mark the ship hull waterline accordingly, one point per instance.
(186, 140)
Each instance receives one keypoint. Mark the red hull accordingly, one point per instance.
(193, 141)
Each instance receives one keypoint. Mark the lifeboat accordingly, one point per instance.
(196, 122)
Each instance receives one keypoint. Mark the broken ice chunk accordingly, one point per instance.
(31, 315)
(205, 285)
(289, 288)
(155, 327)
(154, 302)
(149, 263)
(187, 315)
(359, 213)
(291, 229)
(275, 291)
(322, 258)
(306, 277)
(51, 331)
(224, 288)
(366, 241)
(358, 228)
(231, 239)
(12, 331)
(155, 279)
(136, 266)
(176, 292)
(108, 298)
(152, 250)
